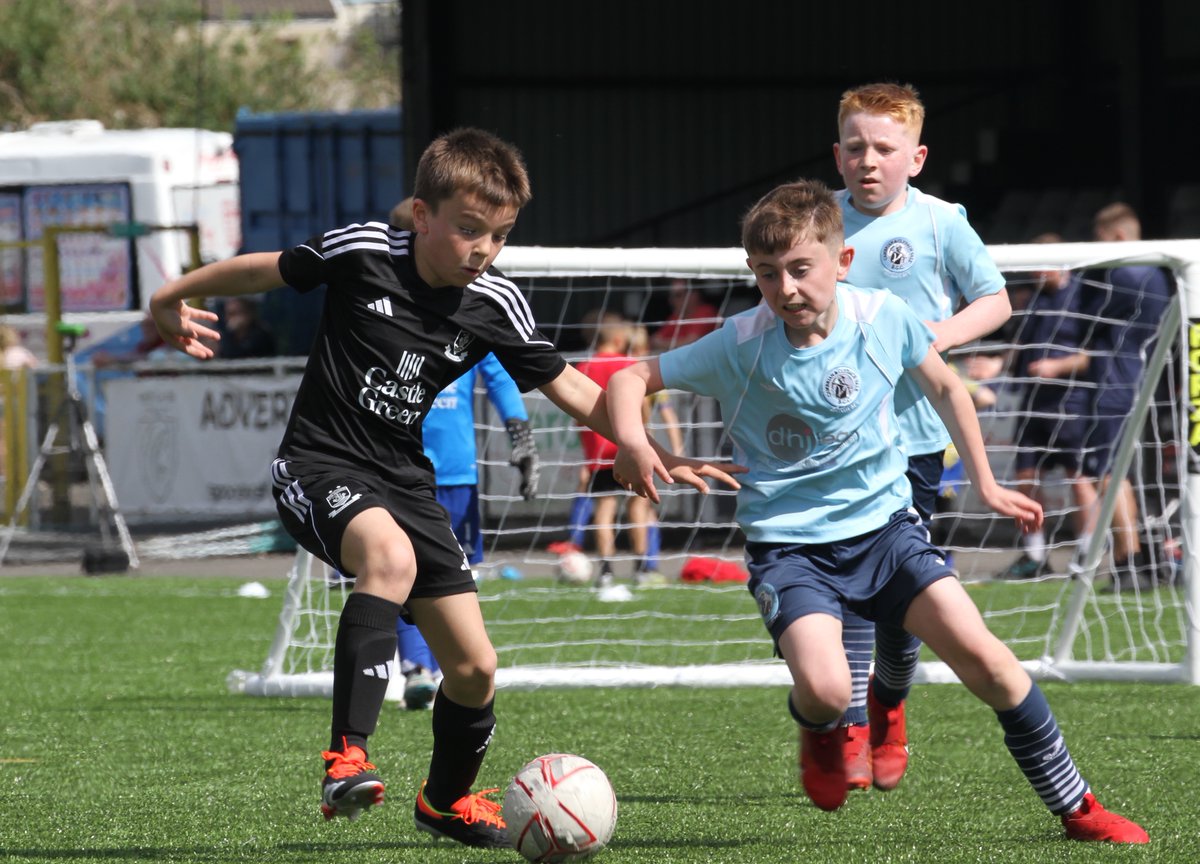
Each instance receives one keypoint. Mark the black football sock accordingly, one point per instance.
(364, 660)
(461, 736)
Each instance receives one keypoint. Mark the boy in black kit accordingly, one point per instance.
(406, 313)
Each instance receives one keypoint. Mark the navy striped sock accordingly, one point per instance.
(1032, 736)
(896, 655)
(858, 640)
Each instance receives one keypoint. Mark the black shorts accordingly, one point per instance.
(602, 482)
(316, 502)
(1100, 444)
(1045, 443)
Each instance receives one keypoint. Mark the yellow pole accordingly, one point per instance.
(11, 483)
(16, 439)
(56, 385)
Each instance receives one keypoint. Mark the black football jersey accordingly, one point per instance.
(388, 343)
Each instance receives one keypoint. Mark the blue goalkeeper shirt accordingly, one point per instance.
(449, 429)
(815, 426)
(929, 255)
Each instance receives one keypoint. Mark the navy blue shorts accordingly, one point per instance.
(1045, 443)
(875, 575)
(316, 503)
(1100, 445)
(925, 476)
(462, 504)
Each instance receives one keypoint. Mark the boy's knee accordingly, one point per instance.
(474, 678)
(994, 676)
(391, 562)
(824, 699)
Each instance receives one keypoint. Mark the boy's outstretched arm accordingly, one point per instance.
(949, 396)
(185, 327)
(639, 458)
(583, 399)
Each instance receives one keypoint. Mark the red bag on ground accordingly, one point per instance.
(702, 568)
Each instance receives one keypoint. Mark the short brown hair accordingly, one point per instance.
(472, 160)
(901, 102)
(1118, 214)
(804, 210)
(401, 215)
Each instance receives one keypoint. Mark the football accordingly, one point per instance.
(560, 807)
(574, 568)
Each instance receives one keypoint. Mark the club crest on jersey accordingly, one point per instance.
(457, 350)
(339, 498)
(897, 255)
(841, 387)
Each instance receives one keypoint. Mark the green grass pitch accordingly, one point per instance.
(120, 743)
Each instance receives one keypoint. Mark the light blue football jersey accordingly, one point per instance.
(815, 426)
(929, 255)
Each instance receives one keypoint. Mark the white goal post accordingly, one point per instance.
(1073, 621)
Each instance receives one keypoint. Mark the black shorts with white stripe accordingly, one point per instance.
(316, 502)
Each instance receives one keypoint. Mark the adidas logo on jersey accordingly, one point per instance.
(383, 306)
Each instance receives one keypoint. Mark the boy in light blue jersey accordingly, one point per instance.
(806, 383)
(925, 251)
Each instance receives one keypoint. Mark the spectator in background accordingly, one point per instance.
(149, 346)
(1126, 303)
(244, 335)
(614, 335)
(111, 360)
(691, 317)
(658, 405)
(401, 215)
(1048, 361)
(15, 354)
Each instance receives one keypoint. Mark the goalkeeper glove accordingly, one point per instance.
(524, 456)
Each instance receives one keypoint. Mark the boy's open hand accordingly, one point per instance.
(636, 470)
(1026, 512)
(180, 327)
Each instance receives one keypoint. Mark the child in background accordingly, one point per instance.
(925, 251)
(614, 335)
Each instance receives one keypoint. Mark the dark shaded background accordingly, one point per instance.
(657, 123)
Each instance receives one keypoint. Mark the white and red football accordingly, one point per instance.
(560, 807)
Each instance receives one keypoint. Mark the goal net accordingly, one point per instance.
(1079, 614)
